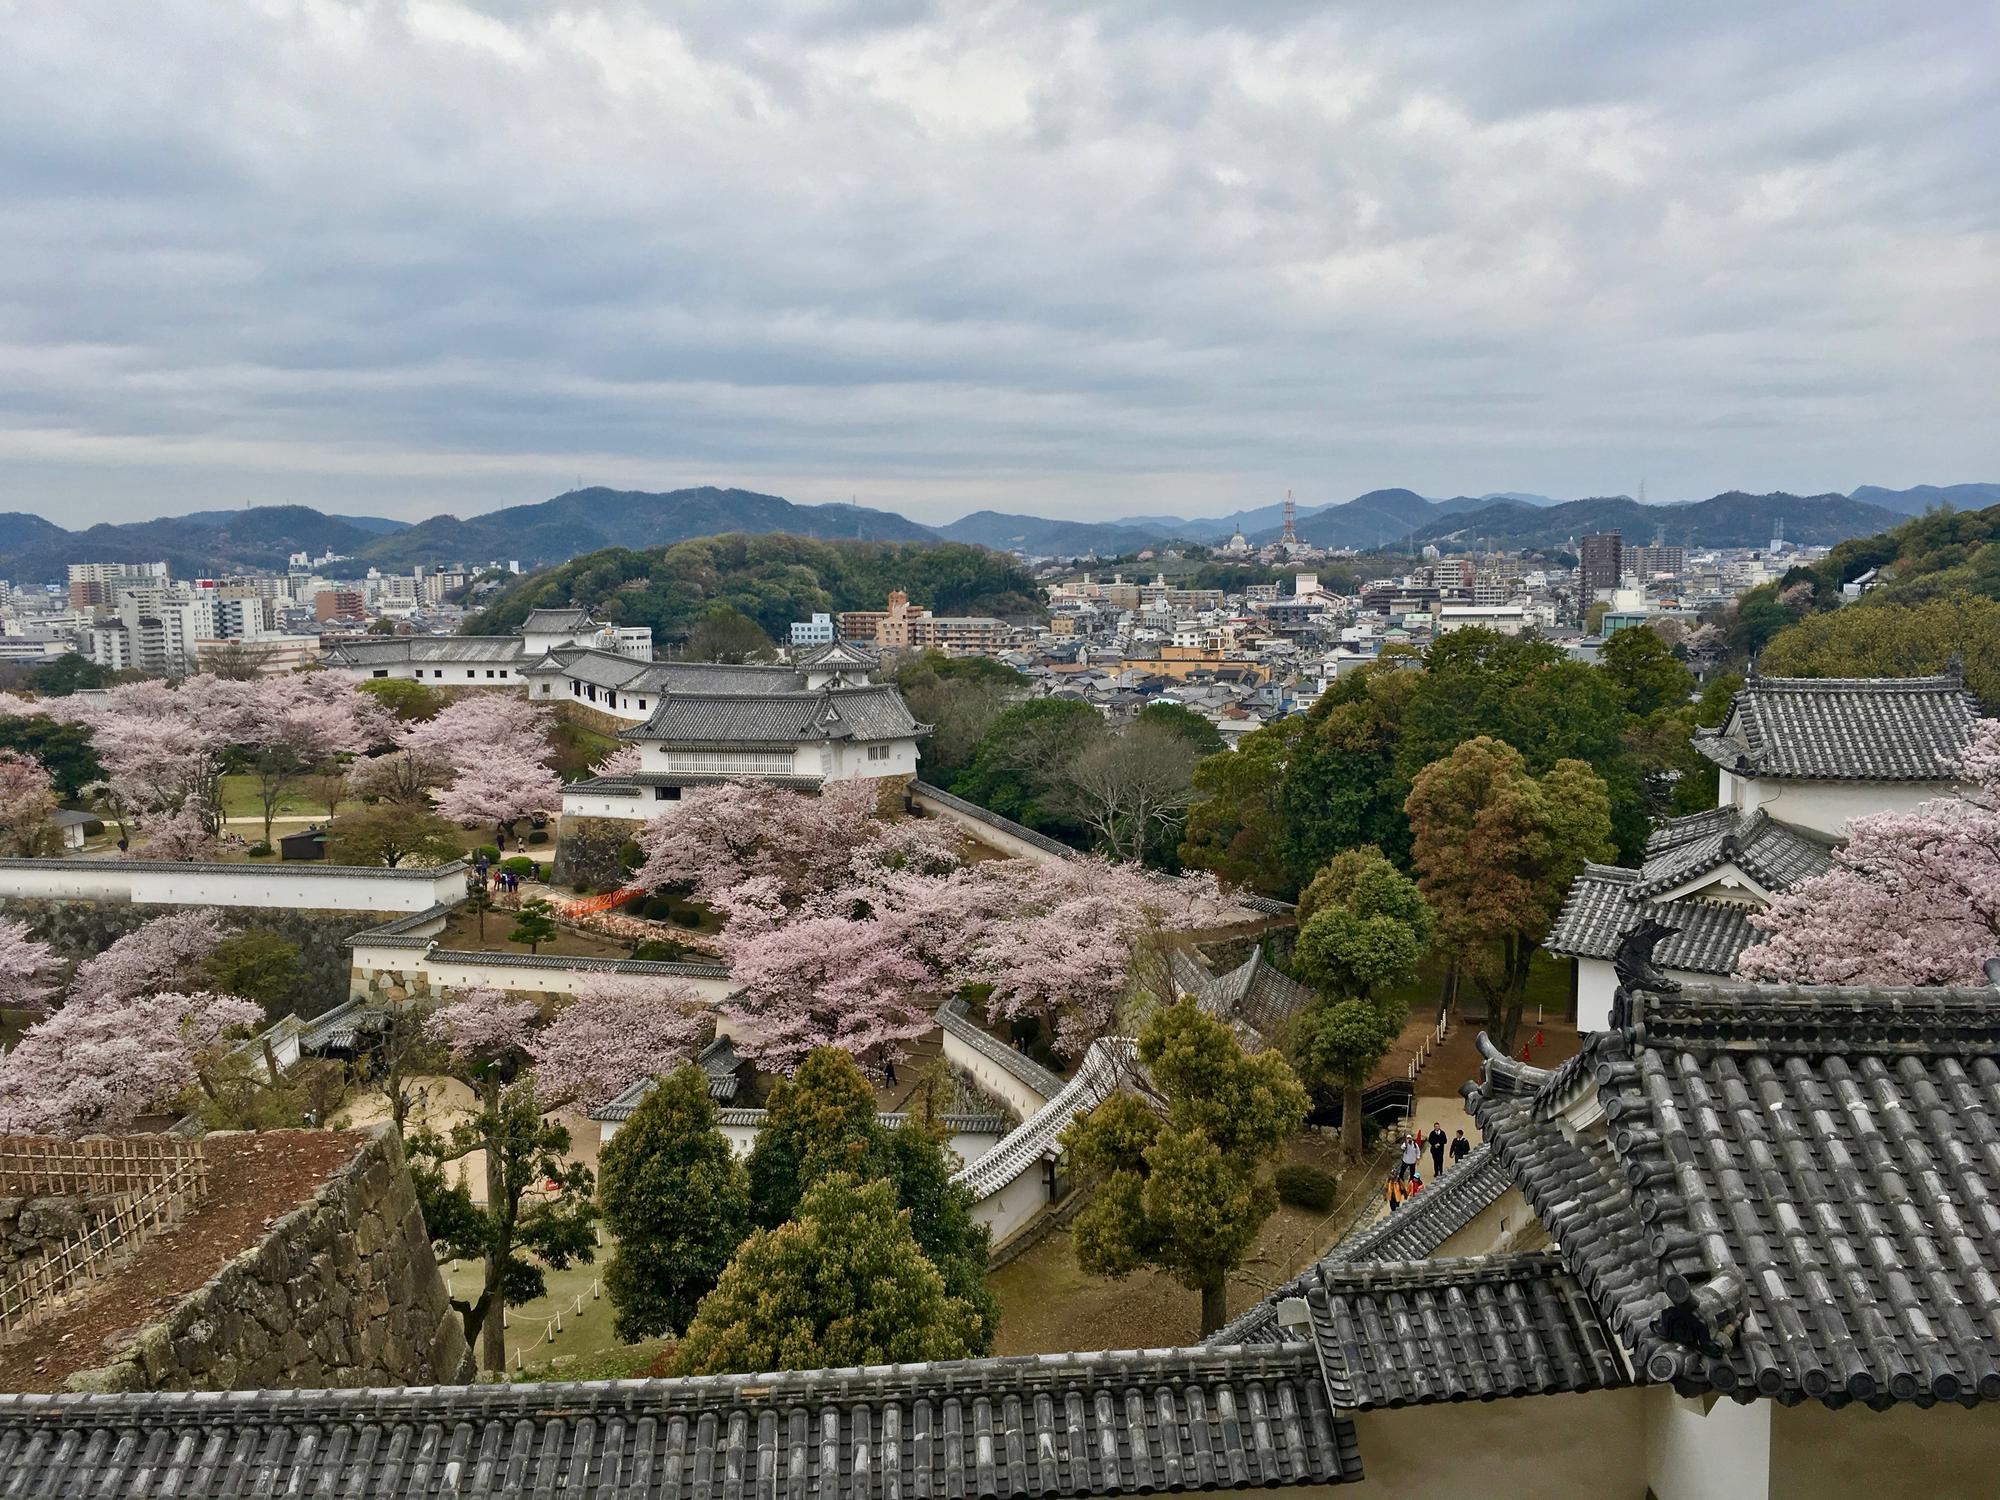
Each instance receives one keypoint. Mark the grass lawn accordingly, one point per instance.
(240, 801)
(585, 1347)
(1548, 987)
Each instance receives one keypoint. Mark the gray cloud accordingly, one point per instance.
(438, 255)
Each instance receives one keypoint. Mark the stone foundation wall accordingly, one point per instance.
(32, 1229)
(342, 1291)
(588, 851)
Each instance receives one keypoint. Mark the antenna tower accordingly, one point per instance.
(1291, 535)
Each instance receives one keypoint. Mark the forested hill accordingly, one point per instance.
(1734, 519)
(589, 519)
(772, 578)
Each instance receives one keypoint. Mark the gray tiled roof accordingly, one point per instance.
(539, 620)
(833, 713)
(1600, 909)
(1464, 1328)
(577, 961)
(1774, 856)
(1445, 1206)
(836, 654)
(955, 1017)
(613, 669)
(1110, 1063)
(1844, 728)
(1253, 993)
(719, 1060)
(1793, 1193)
(1057, 1425)
(1020, 831)
(494, 650)
(641, 781)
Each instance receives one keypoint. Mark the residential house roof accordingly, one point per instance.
(1844, 728)
(1779, 1191)
(1044, 1425)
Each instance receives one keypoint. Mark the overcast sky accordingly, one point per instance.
(402, 258)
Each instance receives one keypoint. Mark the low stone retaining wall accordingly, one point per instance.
(34, 1228)
(342, 1291)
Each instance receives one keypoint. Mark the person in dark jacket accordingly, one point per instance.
(1436, 1141)
(1460, 1148)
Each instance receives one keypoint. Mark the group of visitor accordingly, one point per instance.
(1406, 1181)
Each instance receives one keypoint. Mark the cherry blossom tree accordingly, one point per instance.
(27, 808)
(182, 835)
(98, 1064)
(165, 953)
(29, 968)
(825, 981)
(292, 726)
(501, 788)
(619, 1028)
(718, 836)
(1914, 898)
(521, 1070)
(404, 777)
(624, 761)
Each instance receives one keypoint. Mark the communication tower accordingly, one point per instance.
(1291, 536)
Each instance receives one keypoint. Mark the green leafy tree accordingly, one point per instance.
(408, 701)
(1336, 1044)
(959, 697)
(678, 1201)
(259, 965)
(64, 750)
(823, 1120)
(1894, 640)
(1185, 1191)
(1496, 848)
(1645, 671)
(390, 835)
(1233, 826)
(727, 634)
(1363, 928)
(516, 1234)
(534, 924)
(479, 901)
(844, 1283)
(1202, 736)
(68, 674)
(1024, 760)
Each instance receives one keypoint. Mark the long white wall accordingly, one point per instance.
(449, 969)
(317, 887)
(1825, 807)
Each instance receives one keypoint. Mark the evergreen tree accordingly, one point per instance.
(678, 1201)
(1187, 1192)
(844, 1283)
(823, 1121)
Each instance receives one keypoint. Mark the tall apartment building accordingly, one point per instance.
(96, 586)
(339, 604)
(904, 626)
(1602, 565)
(1645, 562)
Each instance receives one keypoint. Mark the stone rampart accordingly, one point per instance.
(341, 1291)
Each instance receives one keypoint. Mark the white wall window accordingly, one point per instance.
(879, 752)
(731, 762)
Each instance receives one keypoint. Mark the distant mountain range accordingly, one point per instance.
(214, 541)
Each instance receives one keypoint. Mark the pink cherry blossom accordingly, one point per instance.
(182, 835)
(624, 761)
(99, 1064)
(165, 953)
(1914, 898)
(29, 968)
(619, 1028)
(483, 1024)
(825, 981)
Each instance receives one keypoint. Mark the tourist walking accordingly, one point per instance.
(1392, 1191)
(1460, 1148)
(1436, 1140)
(1411, 1151)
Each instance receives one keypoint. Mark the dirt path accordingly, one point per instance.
(1050, 1304)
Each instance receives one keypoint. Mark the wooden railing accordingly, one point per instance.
(155, 1179)
(34, 1166)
